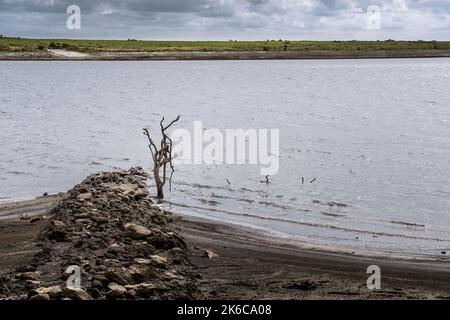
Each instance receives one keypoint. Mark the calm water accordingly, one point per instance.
(374, 134)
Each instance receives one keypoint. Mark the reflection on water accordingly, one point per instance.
(364, 155)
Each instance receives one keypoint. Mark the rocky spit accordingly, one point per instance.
(122, 243)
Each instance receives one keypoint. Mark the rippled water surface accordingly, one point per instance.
(374, 134)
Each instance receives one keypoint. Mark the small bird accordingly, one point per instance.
(267, 180)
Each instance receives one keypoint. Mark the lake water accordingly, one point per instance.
(375, 134)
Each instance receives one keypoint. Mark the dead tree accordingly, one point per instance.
(162, 158)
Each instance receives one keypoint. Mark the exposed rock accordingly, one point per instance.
(131, 294)
(57, 231)
(135, 231)
(82, 221)
(211, 254)
(35, 219)
(58, 224)
(76, 294)
(33, 284)
(153, 260)
(142, 288)
(205, 253)
(42, 296)
(122, 277)
(116, 291)
(141, 193)
(53, 292)
(141, 272)
(171, 275)
(125, 188)
(34, 276)
(83, 215)
(122, 242)
(166, 241)
(84, 196)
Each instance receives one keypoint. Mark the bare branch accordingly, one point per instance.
(162, 157)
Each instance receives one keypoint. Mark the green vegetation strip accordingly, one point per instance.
(10, 44)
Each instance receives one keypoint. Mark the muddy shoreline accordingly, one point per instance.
(227, 55)
(224, 261)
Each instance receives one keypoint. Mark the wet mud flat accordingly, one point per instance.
(129, 247)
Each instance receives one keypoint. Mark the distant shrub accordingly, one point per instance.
(266, 48)
(42, 47)
(53, 45)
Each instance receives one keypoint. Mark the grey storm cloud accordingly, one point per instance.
(223, 19)
(330, 7)
(97, 6)
(436, 6)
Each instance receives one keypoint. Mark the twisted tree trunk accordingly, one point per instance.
(161, 158)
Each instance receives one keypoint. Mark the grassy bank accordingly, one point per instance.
(9, 44)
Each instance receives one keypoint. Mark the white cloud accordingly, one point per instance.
(220, 19)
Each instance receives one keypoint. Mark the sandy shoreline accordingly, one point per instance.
(251, 265)
(226, 55)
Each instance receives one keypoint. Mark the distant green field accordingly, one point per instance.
(30, 45)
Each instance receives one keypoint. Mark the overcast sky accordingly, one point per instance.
(228, 19)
